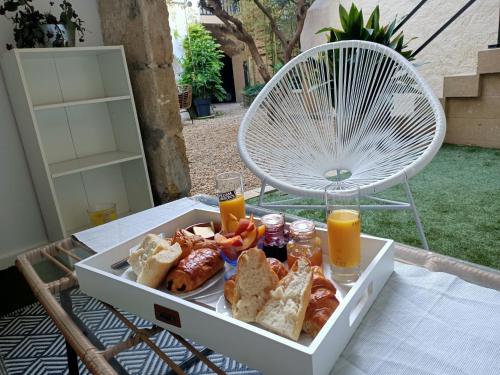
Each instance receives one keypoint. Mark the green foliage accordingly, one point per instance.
(353, 28)
(28, 22)
(458, 199)
(253, 90)
(202, 63)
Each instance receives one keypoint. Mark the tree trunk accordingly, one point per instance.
(142, 27)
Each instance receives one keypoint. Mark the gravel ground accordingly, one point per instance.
(211, 149)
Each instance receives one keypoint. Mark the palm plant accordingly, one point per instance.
(353, 28)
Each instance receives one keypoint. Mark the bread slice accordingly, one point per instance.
(151, 244)
(157, 266)
(254, 281)
(284, 312)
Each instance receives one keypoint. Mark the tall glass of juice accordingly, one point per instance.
(344, 232)
(231, 201)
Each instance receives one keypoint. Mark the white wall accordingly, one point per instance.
(21, 225)
(180, 15)
(453, 52)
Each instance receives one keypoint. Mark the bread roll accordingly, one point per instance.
(284, 312)
(151, 244)
(154, 258)
(254, 282)
(157, 266)
(322, 303)
(229, 286)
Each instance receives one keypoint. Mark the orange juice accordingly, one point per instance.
(102, 213)
(344, 238)
(235, 206)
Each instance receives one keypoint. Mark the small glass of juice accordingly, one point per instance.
(229, 187)
(101, 213)
(344, 233)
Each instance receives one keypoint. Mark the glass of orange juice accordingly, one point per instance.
(101, 213)
(229, 187)
(344, 232)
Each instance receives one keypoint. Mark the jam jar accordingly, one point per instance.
(304, 242)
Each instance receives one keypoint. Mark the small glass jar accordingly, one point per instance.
(304, 242)
(275, 239)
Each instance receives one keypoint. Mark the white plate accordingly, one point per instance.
(130, 275)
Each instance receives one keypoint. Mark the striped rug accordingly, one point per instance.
(31, 344)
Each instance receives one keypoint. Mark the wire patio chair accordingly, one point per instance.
(354, 112)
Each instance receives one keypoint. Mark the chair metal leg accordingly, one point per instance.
(416, 217)
(262, 192)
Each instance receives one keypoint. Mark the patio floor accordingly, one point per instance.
(211, 149)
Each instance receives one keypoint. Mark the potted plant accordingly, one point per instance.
(201, 68)
(35, 29)
(250, 93)
(353, 27)
(61, 32)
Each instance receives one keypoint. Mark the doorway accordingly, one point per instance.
(227, 80)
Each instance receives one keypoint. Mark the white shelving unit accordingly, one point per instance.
(76, 116)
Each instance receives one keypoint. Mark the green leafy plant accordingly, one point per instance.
(353, 28)
(202, 63)
(253, 90)
(29, 29)
(70, 19)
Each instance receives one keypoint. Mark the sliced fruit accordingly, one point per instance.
(249, 240)
(251, 227)
(224, 242)
(261, 230)
(242, 226)
(232, 223)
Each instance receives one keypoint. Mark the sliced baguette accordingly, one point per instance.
(157, 266)
(254, 281)
(151, 244)
(284, 312)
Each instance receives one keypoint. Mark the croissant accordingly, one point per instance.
(322, 303)
(278, 268)
(191, 242)
(194, 270)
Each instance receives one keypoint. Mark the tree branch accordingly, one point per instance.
(235, 27)
(302, 8)
(274, 26)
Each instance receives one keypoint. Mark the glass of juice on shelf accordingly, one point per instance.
(229, 187)
(344, 232)
(101, 213)
(304, 243)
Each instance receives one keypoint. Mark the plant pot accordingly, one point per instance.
(202, 107)
(60, 36)
(248, 99)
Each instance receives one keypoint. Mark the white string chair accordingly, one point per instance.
(354, 111)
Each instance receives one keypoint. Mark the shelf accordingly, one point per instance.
(72, 166)
(80, 102)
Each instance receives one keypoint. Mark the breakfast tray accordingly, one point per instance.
(206, 320)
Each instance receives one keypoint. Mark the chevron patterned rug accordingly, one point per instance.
(31, 344)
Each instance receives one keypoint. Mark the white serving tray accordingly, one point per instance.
(198, 318)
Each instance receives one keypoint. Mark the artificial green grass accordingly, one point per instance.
(458, 198)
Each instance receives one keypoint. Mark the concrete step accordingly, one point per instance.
(488, 61)
(461, 86)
